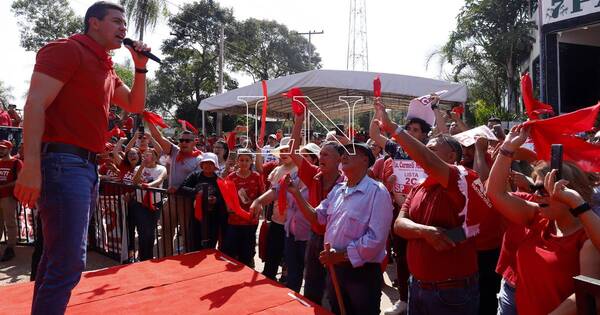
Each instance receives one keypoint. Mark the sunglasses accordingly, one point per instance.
(185, 140)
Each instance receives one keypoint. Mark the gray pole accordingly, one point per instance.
(310, 33)
(219, 125)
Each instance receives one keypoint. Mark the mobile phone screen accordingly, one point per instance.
(456, 234)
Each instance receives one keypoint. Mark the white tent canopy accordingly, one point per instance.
(324, 87)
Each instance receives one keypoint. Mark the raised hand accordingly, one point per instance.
(516, 138)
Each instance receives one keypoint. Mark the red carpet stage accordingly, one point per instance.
(197, 283)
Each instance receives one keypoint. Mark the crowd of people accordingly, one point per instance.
(480, 226)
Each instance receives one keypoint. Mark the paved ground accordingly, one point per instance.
(18, 270)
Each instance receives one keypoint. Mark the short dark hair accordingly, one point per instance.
(336, 146)
(187, 132)
(425, 127)
(99, 10)
(453, 144)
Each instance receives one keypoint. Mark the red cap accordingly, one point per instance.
(6, 144)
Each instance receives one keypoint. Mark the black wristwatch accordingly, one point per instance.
(579, 210)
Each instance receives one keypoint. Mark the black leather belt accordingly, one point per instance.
(68, 148)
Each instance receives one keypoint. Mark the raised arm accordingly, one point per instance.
(134, 100)
(117, 151)
(375, 134)
(297, 138)
(165, 144)
(513, 208)
(480, 165)
(429, 161)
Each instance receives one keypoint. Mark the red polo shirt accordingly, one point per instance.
(79, 113)
(431, 204)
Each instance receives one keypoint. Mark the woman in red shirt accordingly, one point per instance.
(558, 224)
(240, 237)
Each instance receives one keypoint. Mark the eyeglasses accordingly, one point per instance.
(185, 140)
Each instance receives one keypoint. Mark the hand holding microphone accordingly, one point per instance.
(140, 52)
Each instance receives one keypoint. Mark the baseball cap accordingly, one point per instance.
(363, 148)
(285, 143)
(210, 157)
(6, 144)
(312, 148)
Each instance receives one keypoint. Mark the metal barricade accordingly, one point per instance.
(137, 223)
(587, 290)
(26, 225)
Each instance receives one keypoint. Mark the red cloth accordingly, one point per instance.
(298, 109)
(8, 173)
(513, 237)
(5, 119)
(431, 204)
(311, 176)
(267, 169)
(198, 207)
(263, 119)
(561, 129)
(147, 199)
(231, 140)
(377, 87)
(181, 156)
(68, 118)
(229, 192)
(533, 107)
(253, 187)
(188, 126)
(282, 196)
(154, 119)
(459, 110)
(128, 124)
(546, 266)
(115, 132)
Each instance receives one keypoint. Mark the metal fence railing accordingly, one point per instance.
(587, 292)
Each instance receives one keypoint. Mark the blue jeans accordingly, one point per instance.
(459, 301)
(68, 197)
(507, 305)
(294, 260)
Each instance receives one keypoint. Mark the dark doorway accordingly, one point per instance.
(579, 76)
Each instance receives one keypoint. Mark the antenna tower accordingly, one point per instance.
(357, 57)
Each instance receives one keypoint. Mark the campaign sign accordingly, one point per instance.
(408, 174)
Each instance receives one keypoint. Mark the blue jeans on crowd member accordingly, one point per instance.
(144, 220)
(507, 305)
(294, 260)
(459, 301)
(314, 273)
(68, 197)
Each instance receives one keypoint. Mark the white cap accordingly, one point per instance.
(210, 157)
(312, 148)
(283, 144)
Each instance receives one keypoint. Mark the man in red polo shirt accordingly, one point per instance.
(71, 89)
(441, 259)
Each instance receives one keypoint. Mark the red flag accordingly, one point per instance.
(188, 126)
(459, 110)
(147, 201)
(297, 108)
(533, 107)
(561, 130)
(115, 132)
(198, 207)
(154, 119)
(231, 140)
(282, 198)
(263, 121)
(229, 192)
(377, 87)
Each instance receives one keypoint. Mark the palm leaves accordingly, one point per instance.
(144, 13)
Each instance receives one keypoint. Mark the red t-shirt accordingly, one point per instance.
(8, 173)
(513, 237)
(79, 113)
(5, 119)
(431, 204)
(546, 265)
(128, 124)
(249, 189)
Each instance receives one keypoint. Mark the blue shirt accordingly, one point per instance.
(358, 219)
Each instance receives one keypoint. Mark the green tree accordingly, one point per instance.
(41, 21)
(125, 73)
(189, 70)
(144, 13)
(266, 49)
(491, 39)
(5, 93)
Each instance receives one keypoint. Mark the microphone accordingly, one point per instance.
(129, 42)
